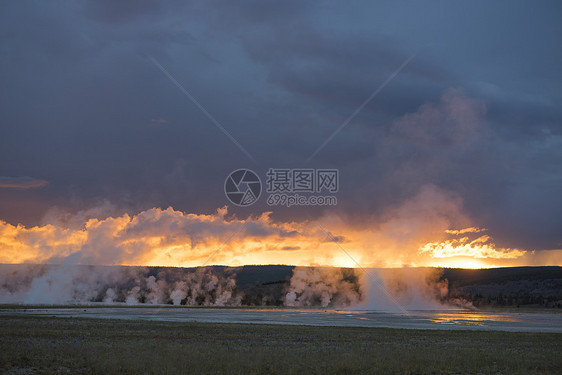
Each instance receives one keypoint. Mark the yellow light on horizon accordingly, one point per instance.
(462, 262)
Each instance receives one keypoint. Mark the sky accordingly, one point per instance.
(120, 122)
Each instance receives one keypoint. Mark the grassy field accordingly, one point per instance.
(84, 346)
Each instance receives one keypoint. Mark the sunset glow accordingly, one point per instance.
(172, 238)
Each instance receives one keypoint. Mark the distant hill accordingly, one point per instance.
(513, 286)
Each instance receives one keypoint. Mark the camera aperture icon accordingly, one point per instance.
(242, 187)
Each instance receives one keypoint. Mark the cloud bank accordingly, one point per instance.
(413, 233)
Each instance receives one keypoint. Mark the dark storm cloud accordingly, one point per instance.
(476, 113)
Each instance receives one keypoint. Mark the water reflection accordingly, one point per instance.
(427, 319)
(472, 318)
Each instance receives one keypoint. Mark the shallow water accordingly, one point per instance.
(429, 319)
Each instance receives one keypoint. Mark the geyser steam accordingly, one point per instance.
(327, 287)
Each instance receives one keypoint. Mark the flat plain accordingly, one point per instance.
(57, 345)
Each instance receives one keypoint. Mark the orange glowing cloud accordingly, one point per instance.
(414, 233)
(474, 249)
(166, 237)
(465, 230)
(469, 252)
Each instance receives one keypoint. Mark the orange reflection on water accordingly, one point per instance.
(470, 318)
